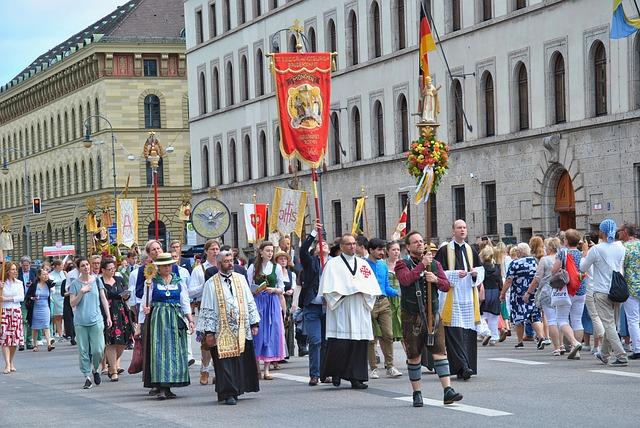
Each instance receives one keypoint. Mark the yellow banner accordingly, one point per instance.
(127, 222)
(357, 217)
(287, 211)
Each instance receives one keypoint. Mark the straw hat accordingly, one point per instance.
(432, 247)
(282, 254)
(164, 259)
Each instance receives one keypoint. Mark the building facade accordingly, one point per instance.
(130, 68)
(551, 111)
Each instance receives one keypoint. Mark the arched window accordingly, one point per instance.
(74, 124)
(76, 179)
(205, 167)
(229, 83)
(99, 171)
(244, 79)
(246, 158)
(334, 139)
(352, 40)
(233, 165)
(375, 29)
(66, 127)
(263, 158)
(278, 160)
(97, 112)
(152, 111)
(226, 15)
(259, 73)
(457, 111)
(560, 107)
(257, 8)
(400, 25)
(39, 145)
(80, 121)
(292, 43)
(403, 122)
(215, 90)
(356, 134)
(311, 36)
(92, 179)
(160, 173)
(60, 186)
(600, 78)
(331, 38)
(83, 177)
(218, 164)
(242, 12)
(378, 129)
(69, 181)
(489, 105)
(202, 94)
(523, 98)
(49, 133)
(59, 130)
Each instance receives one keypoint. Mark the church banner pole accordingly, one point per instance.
(316, 200)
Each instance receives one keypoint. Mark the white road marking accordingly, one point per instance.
(294, 378)
(459, 407)
(518, 361)
(617, 373)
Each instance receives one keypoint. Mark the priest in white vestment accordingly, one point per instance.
(349, 288)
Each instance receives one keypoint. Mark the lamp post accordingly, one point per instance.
(152, 153)
(5, 171)
(88, 142)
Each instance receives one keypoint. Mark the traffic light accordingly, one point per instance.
(37, 206)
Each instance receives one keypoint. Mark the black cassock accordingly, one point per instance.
(346, 359)
(236, 375)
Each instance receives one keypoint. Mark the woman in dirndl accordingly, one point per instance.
(11, 334)
(165, 307)
(266, 282)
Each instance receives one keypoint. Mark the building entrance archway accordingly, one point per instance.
(565, 206)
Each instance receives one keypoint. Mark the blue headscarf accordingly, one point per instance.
(608, 227)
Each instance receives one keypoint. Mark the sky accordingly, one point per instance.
(29, 28)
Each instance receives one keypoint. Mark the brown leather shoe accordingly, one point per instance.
(313, 381)
(204, 378)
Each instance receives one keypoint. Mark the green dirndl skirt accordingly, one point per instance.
(166, 359)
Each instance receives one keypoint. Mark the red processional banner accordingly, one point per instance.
(303, 89)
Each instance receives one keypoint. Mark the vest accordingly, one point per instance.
(408, 298)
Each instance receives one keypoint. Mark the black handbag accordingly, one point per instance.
(560, 279)
(618, 291)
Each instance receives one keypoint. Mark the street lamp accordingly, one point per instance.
(87, 142)
(5, 171)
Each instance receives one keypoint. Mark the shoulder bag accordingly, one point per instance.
(560, 279)
(618, 291)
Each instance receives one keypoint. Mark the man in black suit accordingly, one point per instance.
(27, 275)
(212, 270)
(176, 246)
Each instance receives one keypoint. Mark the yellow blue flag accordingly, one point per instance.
(621, 26)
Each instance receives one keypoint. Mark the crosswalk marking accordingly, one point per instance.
(616, 373)
(294, 378)
(459, 407)
(518, 361)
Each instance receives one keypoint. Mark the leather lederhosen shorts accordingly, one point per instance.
(413, 333)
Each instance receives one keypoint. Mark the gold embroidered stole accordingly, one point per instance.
(447, 311)
(228, 344)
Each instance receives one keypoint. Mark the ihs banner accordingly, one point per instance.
(303, 89)
(287, 211)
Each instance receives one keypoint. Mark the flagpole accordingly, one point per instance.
(316, 201)
(255, 221)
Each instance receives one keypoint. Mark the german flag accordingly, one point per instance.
(427, 44)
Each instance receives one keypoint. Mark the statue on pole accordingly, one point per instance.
(430, 102)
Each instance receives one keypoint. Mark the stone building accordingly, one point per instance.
(551, 110)
(128, 67)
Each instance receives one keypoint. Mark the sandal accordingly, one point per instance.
(50, 348)
(35, 349)
(113, 377)
(6, 371)
(120, 371)
(556, 353)
(267, 376)
(562, 350)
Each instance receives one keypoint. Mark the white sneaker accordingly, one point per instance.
(393, 372)
(586, 348)
(374, 374)
(493, 342)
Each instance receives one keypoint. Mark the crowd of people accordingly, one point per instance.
(334, 301)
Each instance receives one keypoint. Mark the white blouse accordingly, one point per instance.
(15, 290)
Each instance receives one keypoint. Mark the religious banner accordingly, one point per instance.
(357, 227)
(255, 222)
(287, 213)
(127, 225)
(401, 227)
(303, 89)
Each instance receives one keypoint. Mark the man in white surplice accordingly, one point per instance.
(349, 288)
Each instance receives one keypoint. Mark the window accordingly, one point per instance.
(233, 175)
(459, 211)
(378, 128)
(247, 162)
(215, 89)
(76, 179)
(381, 212)
(151, 232)
(278, 161)
(218, 163)
(262, 150)
(458, 118)
(404, 202)
(523, 98)
(455, 15)
(199, 31)
(352, 39)
(206, 183)
(66, 131)
(375, 46)
(151, 112)
(213, 20)
(559, 89)
(357, 133)
(97, 113)
(257, 8)
(234, 230)
(337, 217)
(244, 79)
(202, 94)
(400, 19)
(311, 36)
(521, 4)
(226, 15)
(92, 180)
(242, 13)
(259, 73)
(160, 173)
(332, 38)
(489, 106)
(229, 83)
(600, 79)
(403, 122)
(150, 67)
(334, 138)
(490, 209)
(487, 13)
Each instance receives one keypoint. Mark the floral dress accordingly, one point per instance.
(121, 332)
(632, 267)
(522, 272)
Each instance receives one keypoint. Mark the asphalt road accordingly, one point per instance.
(524, 388)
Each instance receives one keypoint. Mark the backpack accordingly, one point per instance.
(574, 275)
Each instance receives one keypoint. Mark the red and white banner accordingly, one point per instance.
(401, 228)
(303, 89)
(255, 221)
(59, 250)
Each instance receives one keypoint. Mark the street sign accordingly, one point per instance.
(192, 236)
(113, 233)
(57, 251)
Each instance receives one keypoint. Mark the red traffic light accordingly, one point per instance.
(37, 206)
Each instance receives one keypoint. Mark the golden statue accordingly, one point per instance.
(430, 102)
